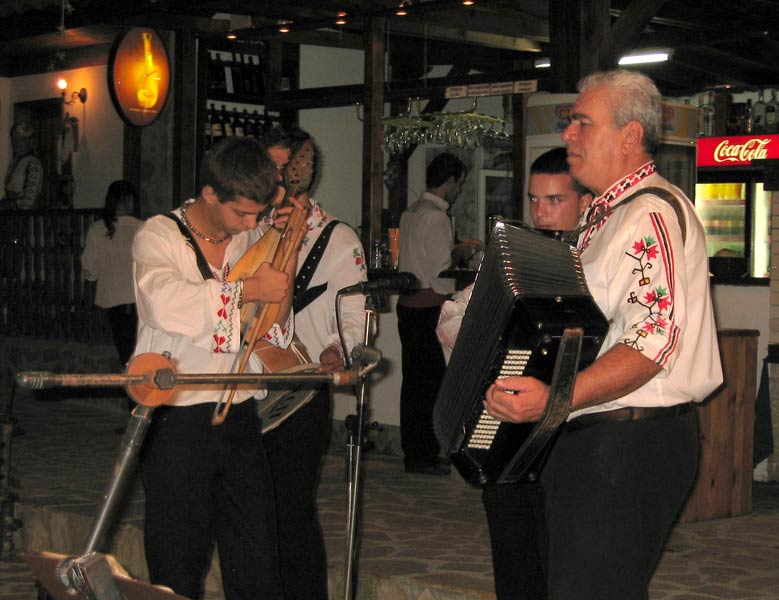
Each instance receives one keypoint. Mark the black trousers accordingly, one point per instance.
(123, 320)
(204, 484)
(295, 450)
(516, 519)
(423, 367)
(613, 492)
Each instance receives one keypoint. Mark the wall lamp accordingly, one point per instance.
(81, 94)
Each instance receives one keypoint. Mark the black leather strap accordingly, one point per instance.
(202, 263)
(303, 295)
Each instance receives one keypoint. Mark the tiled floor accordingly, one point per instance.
(421, 537)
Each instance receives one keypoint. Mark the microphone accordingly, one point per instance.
(399, 282)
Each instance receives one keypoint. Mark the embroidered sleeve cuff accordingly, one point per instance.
(239, 293)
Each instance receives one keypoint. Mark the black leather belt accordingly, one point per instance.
(629, 413)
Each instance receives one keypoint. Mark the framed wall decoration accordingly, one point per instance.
(139, 76)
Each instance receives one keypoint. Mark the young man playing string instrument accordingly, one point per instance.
(206, 483)
(330, 258)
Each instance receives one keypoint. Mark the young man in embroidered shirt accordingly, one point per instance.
(330, 258)
(515, 512)
(206, 483)
(621, 468)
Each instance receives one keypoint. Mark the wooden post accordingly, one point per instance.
(373, 133)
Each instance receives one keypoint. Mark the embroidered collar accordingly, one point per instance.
(603, 202)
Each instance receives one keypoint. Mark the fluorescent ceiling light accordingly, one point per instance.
(542, 63)
(647, 56)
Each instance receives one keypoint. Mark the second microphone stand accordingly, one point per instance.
(355, 431)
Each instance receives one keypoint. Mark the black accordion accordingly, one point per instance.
(529, 293)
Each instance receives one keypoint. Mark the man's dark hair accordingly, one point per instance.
(441, 168)
(555, 162)
(239, 166)
(277, 136)
(292, 138)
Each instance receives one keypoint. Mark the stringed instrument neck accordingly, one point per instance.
(278, 248)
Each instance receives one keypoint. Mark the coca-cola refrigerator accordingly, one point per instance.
(734, 207)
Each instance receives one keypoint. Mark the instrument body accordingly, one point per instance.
(278, 249)
(529, 290)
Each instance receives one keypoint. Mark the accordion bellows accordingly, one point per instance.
(530, 288)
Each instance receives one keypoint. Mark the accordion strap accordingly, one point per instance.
(661, 193)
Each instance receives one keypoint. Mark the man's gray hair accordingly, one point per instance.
(639, 100)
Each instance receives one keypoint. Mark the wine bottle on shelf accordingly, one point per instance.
(217, 132)
(238, 127)
(208, 141)
(220, 84)
(701, 118)
(758, 114)
(227, 124)
(213, 73)
(771, 114)
(258, 132)
(248, 125)
(708, 114)
(249, 78)
(237, 74)
(748, 123)
(257, 73)
(228, 69)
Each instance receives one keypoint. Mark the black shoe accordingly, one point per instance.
(435, 468)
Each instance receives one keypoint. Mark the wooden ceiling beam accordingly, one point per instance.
(628, 28)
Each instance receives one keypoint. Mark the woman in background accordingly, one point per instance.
(107, 260)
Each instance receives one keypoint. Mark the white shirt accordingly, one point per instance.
(341, 265)
(196, 320)
(109, 261)
(654, 289)
(426, 242)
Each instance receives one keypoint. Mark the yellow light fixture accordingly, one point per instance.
(81, 94)
(469, 2)
(401, 10)
(284, 26)
(340, 18)
(232, 36)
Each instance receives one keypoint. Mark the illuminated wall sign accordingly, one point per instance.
(736, 150)
(139, 76)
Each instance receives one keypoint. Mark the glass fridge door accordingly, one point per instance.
(722, 208)
(760, 262)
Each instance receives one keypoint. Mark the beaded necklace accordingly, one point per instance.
(199, 234)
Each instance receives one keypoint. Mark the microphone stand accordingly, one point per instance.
(355, 428)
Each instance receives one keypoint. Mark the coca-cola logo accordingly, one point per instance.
(752, 149)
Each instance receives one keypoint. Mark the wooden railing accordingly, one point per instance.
(42, 292)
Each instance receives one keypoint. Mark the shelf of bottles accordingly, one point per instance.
(722, 208)
(745, 113)
(236, 96)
